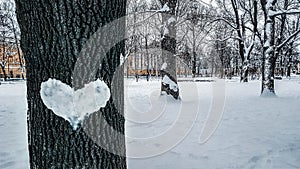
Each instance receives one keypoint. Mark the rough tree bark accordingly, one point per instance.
(268, 48)
(53, 34)
(168, 45)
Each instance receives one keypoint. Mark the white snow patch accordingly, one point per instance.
(268, 93)
(165, 8)
(164, 66)
(165, 31)
(171, 20)
(122, 59)
(172, 85)
(72, 105)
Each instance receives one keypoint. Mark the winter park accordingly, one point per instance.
(154, 84)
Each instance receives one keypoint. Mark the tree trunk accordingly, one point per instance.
(53, 34)
(245, 72)
(288, 74)
(280, 38)
(168, 45)
(136, 72)
(241, 44)
(194, 50)
(289, 64)
(281, 66)
(268, 49)
(18, 48)
(4, 72)
(3, 61)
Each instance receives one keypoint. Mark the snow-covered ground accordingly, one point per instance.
(254, 132)
(13, 128)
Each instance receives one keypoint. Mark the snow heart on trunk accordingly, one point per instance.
(73, 105)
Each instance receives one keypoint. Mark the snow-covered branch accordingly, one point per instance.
(288, 39)
(226, 38)
(224, 20)
(284, 12)
(249, 49)
(165, 8)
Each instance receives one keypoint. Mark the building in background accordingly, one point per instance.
(12, 64)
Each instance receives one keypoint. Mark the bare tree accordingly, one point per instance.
(5, 39)
(272, 44)
(239, 15)
(199, 28)
(222, 47)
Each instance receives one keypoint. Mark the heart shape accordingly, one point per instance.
(73, 105)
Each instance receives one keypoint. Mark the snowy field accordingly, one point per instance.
(254, 132)
(13, 128)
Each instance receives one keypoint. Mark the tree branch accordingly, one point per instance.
(287, 40)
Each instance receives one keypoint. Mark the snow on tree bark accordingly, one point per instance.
(272, 45)
(53, 34)
(168, 45)
(268, 48)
